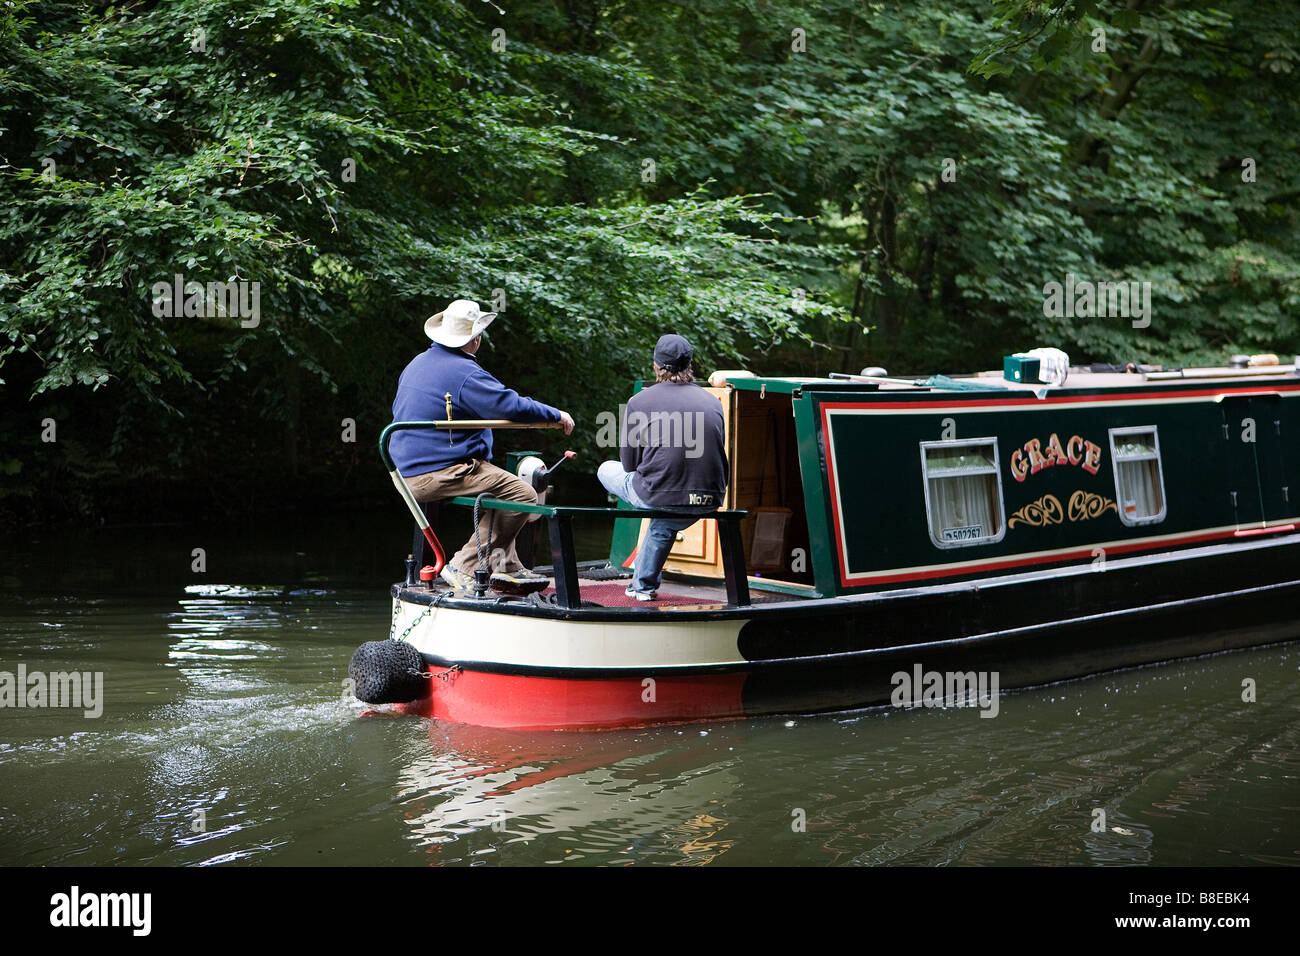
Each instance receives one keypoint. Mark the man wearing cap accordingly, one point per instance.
(672, 457)
(441, 464)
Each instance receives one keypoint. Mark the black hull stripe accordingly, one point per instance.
(915, 649)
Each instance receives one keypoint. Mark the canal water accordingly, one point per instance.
(226, 738)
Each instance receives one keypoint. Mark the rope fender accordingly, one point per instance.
(388, 672)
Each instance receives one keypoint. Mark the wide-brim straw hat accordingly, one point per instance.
(457, 324)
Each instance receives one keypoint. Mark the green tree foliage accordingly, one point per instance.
(751, 173)
(1181, 121)
(213, 140)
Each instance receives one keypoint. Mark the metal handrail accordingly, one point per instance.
(564, 560)
(559, 521)
(580, 511)
(403, 489)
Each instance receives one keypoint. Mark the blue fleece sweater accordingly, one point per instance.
(421, 396)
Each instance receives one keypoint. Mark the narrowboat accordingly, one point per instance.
(878, 528)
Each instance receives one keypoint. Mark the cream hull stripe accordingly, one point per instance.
(458, 635)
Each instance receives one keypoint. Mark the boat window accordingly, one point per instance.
(1139, 483)
(963, 492)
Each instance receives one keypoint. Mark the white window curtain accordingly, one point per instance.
(1137, 474)
(963, 502)
(1139, 488)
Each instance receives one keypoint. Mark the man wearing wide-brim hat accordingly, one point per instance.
(441, 464)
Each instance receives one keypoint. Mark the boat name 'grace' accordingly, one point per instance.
(1034, 458)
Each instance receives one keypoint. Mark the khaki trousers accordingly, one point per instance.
(475, 478)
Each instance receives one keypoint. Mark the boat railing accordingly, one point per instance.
(559, 520)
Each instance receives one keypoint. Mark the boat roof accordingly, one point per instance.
(1080, 377)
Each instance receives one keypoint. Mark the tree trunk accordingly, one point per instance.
(1124, 83)
(887, 238)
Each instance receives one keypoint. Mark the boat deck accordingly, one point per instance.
(670, 594)
(607, 587)
(1080, 377)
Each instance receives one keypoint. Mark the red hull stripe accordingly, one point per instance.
(1027, 399)
(543, 703)
(1050, 559)
(1247, 532)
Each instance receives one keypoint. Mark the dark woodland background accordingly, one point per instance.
(765, 177)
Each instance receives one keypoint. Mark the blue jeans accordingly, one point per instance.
(661, 534)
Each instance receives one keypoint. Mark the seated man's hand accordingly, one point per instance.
(567, 421)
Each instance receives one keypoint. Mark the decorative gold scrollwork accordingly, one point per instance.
(1046, 510)
(1085, 505)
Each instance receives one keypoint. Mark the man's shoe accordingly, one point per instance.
(522, 581)
(457, 579)
(641, 595)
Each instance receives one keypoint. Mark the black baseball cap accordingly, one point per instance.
(673, 353)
